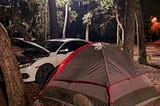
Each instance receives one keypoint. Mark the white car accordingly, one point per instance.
(38, 60)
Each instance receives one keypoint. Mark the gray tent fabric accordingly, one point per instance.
(103, 74)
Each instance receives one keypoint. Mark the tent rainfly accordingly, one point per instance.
(98, 74)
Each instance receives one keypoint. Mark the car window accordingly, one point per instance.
(73, 45)
(51, 45)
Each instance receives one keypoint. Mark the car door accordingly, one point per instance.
(67, 49)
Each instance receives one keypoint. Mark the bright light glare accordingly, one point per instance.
(154, 19)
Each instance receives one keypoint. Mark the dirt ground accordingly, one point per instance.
(31, 90)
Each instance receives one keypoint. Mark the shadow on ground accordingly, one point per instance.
(31, 90)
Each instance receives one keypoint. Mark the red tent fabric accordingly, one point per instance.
(103, 74)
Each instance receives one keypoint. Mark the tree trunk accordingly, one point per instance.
(118, 38)
(119, 25)
(26, 35)
(54, 29)
(11, 73)
(46, 21)
(142, 45)
(87, 32)
(129, 27)
(137, 35)
(65, 21)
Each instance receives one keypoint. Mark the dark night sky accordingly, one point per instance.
(150, 8)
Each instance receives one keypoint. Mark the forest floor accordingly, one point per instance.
(153, 57)
(153, 67)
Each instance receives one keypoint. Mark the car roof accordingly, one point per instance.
(67, 39)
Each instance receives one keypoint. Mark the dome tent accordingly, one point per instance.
(98, 74)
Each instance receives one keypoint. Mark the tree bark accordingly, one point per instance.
(118, 36)
(65, 21)
(46, 21)
(11, 73)
(137, 35)
(129, 27)
(142, 44)
(119, 24)
(87, 32)
(54, 29)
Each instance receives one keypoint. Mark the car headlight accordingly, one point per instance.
(25, 65)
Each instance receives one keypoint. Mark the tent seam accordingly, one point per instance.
(107, 76)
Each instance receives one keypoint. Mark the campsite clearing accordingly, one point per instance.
(31, 89)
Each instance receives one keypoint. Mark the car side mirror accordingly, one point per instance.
(63, 51)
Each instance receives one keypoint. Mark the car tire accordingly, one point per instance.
(43, 73)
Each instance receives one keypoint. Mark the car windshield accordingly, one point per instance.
(51, 45)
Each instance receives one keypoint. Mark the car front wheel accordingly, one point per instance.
(43, 73)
